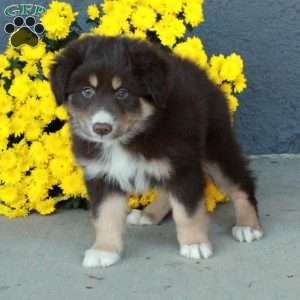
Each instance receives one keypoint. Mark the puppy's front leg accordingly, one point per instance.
(108, 217)
(190, 215)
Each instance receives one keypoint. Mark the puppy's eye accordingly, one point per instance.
(88, 92)
(121, 94)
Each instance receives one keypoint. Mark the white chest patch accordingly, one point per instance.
(131, 172)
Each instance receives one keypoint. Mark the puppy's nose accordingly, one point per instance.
(102, 128)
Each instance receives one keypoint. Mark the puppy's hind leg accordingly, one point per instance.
(154, 213)
(227, 166)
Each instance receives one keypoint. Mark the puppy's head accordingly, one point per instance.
(112, 87)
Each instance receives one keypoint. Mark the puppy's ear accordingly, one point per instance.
(151, 67)
(64, 65)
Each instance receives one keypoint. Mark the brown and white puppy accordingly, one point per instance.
(144, 118)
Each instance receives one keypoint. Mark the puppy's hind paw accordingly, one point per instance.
(246, 233)
(99, 258)
(136, 217)
(196, 251)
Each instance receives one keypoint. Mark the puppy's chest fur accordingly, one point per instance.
(132, 172)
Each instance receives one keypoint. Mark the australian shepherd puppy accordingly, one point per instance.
(144, 118)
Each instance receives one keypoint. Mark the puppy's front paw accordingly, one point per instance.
(246, 233)
(99, 258)
(136, 217)
(196, 251)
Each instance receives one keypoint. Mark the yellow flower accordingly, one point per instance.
(13, 213)
(136, 34)
(226, 88)
(115, 20)
(4, 126)
(233, 103)
(73, 184)
(148, 198)
(168, 29)
(65, 132)
(46, 62)
(46, 206)
(32, 54)
(6, 102)
(61, 113)
(12, 176)
(108, 26)
(173, 6)
(192, 49)
(232, 67)
(107, 6)
(20, 87)
(4, 63)
(215, 64)
(58, 19)
(193, 12)
(157, 5)
(8, 160)
(11, 52)
(214, 75)
(30, 109)
(40, 176)
(53, 142)
(60, 167)
(143, 18)
(240, 83)
(164, 7)
(47, 109)
(93, 12)
(36, 193)
(31, 69)
(133, 202)
(18, 124)
(8, 194)
(213, 195)
(33, 130)
(38, 153)
(22, 152)
(3, 142)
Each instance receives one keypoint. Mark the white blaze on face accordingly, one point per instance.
(102, 116)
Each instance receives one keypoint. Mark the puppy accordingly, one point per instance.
(144, 118)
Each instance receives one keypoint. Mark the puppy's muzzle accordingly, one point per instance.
(102, 128)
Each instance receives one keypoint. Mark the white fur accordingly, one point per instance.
(102, 116)
(196, 251)
(124, 167)
(246, 234)
(99, 258)
(136, 217)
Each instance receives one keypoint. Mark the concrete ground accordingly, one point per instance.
(40, 257)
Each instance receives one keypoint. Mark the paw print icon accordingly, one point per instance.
(24, 31)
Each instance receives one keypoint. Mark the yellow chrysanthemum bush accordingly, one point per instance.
(37, 168)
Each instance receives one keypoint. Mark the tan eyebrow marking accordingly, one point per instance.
(116, 82)
(93, 80)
